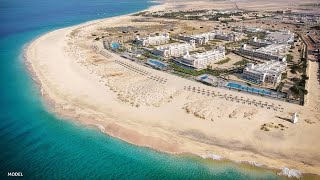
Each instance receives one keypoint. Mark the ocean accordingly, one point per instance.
(40, 145)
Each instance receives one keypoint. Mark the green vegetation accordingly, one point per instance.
(181, 15)
(236, 43)
(301, 68)
(284, 76)
(215, 40)
(120, 50)
(311, 4)
(289, 58)
(143, 58)
(298, 89)
(196, 51)
(280, 86)
(242, 62)
(181, 74)
(150, 55)
(140, 13)
(192, 72)
(223, 61)
(191, 15)
(172, 41)
(207, 47)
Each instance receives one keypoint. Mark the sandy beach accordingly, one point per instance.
(151, 108)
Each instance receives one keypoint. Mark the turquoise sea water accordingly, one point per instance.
(38, 144)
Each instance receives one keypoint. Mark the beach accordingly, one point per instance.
(151, 108)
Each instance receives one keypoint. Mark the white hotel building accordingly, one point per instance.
(269, 72)
(205, 37)
(259, 42)
(233, 36)
(280, 37)
(202, 60)
(174, 50)
(198, 38)
(270, 52)
(153, 40)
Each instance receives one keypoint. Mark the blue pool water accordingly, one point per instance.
(43, 146)
(157, 64)
(115, 45)
(204, 77)
(248, 89)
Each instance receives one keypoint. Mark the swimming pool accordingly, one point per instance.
(157, 64)
(248, 89)
(203, 77)
(115, 45)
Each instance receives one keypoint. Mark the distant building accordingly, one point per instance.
(202, 60)
(198, 38)
(315, 38)
(259, 42)
(254, 29)
(270, 52)
(224, 19)
(233, 36)
(269, 72)
(280, 37)
(174, 50)
(153, 40)
(205, 37)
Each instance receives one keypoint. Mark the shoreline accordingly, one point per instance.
(113, 130)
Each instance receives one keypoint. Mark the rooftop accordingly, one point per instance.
(203, 54)
(172, 45)
(270, 67)
(280, 37)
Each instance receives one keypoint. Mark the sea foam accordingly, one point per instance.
(290, 173)
(252, 163)
(212, 156)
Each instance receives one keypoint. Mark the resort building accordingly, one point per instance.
(198, 38)
(202, 60)
(205, 37)
(280, 37)
(174, 50)
(259, 42)
(270, 52)
(315, 39)
(233, 36)
(153, 40)
(225, 19)
(254, 29)
(269, 72)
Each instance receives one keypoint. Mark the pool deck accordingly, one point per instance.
(157, 64)
(214, 81)
(221, 83)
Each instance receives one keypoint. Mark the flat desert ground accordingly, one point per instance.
(152, 108)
